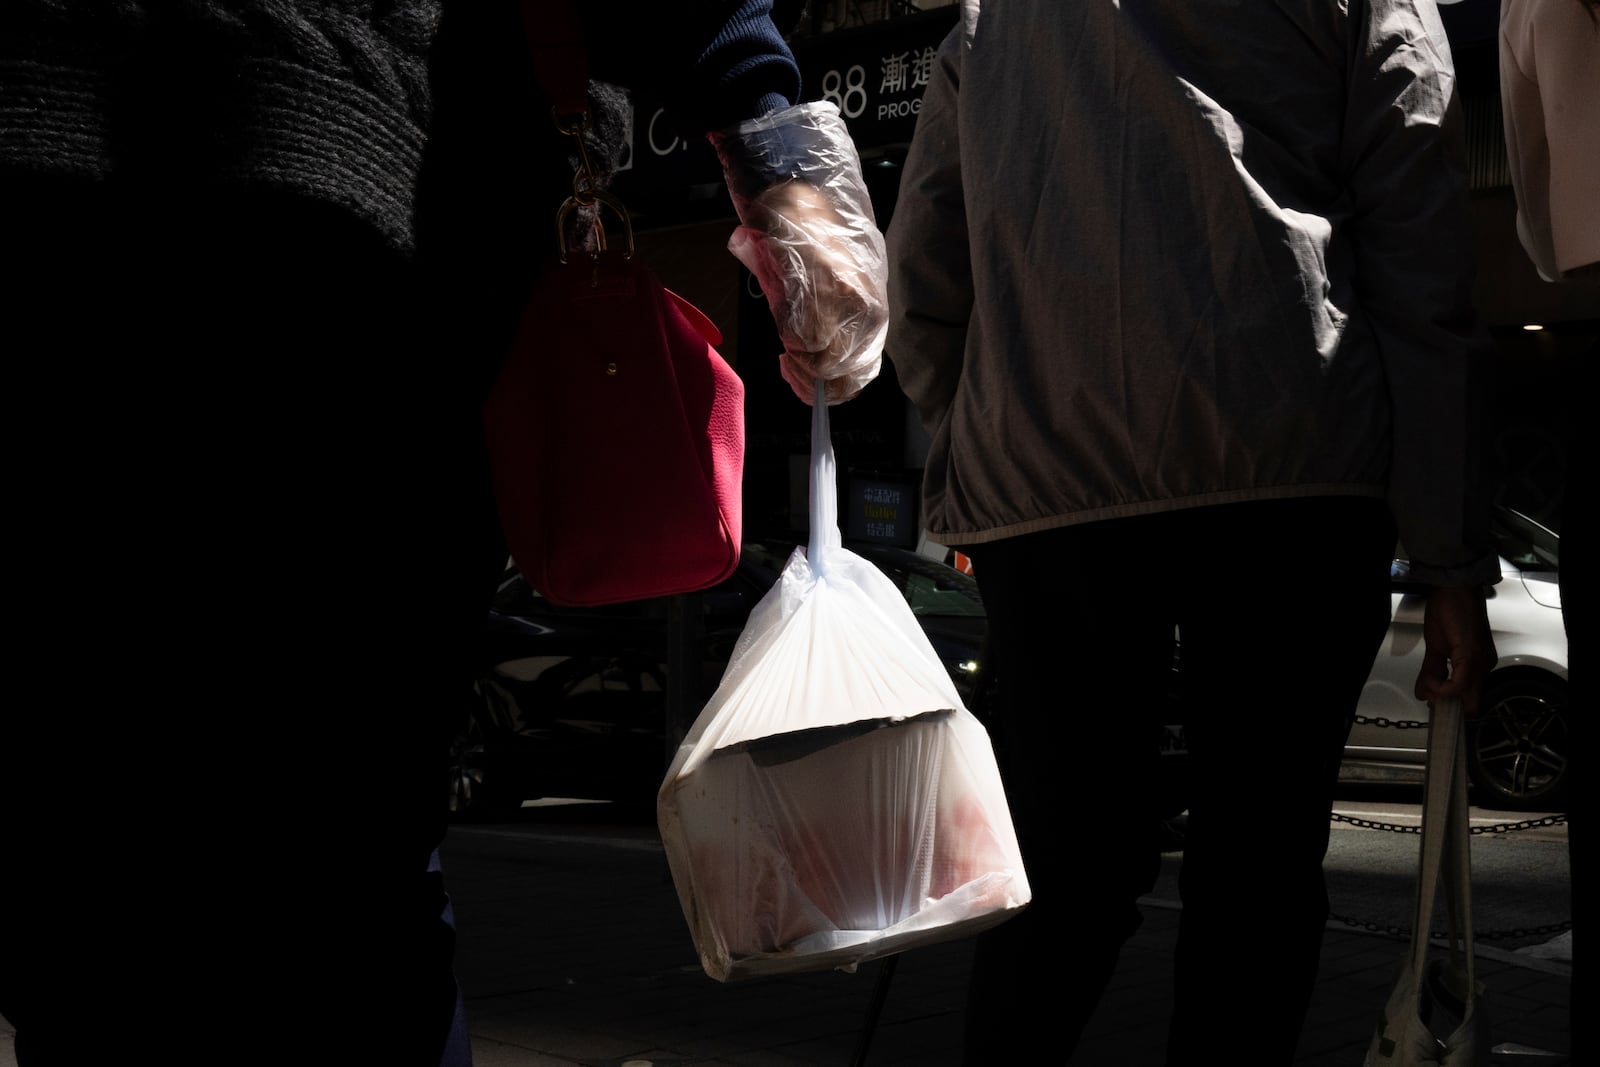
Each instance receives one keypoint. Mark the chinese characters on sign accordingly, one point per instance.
(877, 79)
(882, 512)
(874, 75)
(882, 507)
(899, 94)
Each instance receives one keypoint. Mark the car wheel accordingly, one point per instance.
(1518, 748)
(473, 791)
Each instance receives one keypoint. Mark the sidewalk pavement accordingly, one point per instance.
(573, 953)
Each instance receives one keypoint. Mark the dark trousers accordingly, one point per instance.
(1281, 607)
(248, 548)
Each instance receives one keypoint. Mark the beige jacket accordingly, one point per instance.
(1169, 254)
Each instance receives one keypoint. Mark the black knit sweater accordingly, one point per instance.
(325, 101)
(335, 101)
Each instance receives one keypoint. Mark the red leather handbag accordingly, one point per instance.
(615, 429)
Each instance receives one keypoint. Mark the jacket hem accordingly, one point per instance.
(948, 535)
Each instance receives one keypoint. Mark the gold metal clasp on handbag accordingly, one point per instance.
(594, 199)
(586, 194)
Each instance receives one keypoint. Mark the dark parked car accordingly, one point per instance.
(576, 702)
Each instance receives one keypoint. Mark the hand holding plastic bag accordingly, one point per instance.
(835, 802)
(809, 236)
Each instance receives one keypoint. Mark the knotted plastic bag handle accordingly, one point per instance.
(825, 538)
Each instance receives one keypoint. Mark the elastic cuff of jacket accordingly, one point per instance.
(1480, 572)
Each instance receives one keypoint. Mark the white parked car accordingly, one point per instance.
(1518, 748)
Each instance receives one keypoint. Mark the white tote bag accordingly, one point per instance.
(835, 802)
(1435, 1012)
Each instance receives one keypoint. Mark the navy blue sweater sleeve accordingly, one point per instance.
(714, 63)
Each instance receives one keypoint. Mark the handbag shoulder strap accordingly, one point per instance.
(560, 58)
(561, 64)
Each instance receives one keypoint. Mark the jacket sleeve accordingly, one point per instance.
(1412, 234)
(930, 268)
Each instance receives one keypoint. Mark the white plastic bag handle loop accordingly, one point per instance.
(824, 488)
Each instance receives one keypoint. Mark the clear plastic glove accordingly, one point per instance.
(808, 235)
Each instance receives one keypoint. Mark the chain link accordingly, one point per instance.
(1368, 824)
(1526, 824)
(1396, 724)
(1403, 933)
(1416, 724)
(583, 179)
(1497, 828)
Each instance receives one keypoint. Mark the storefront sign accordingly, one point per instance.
(882, 512)
(875, 75)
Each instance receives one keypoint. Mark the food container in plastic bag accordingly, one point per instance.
(835, 802)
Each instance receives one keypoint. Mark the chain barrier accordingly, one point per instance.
(1496, 828)
(1393, 724)
(1403, 933)
(1418, 724)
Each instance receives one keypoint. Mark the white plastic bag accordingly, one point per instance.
(835, 802)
